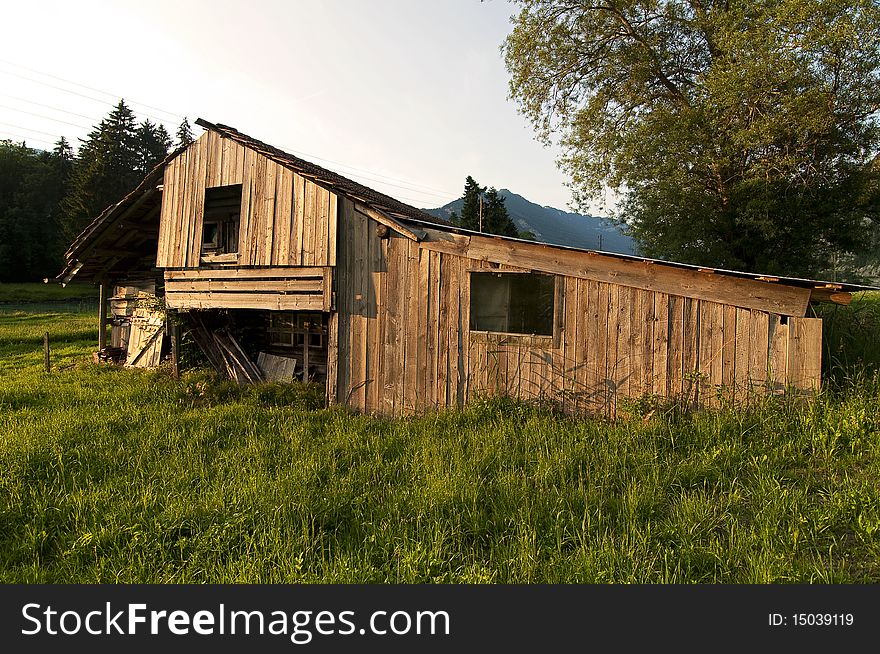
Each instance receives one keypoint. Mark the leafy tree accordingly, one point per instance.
(184, 133)
(31, 187)
(737, 132)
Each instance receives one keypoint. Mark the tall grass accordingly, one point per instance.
(111, 475)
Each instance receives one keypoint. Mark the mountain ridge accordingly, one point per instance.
(555, 226)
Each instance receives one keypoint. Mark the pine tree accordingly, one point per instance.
(106, 168)
(496, 220)
(470, 208)
(184, 133)
(153, 143)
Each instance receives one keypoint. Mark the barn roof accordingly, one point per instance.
(117, 238)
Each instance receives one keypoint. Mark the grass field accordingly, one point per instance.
(109, 475)
(21, 293)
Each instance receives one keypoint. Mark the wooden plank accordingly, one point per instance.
(247, 207)
(691, 351)
(421, 327)
(741, 379)
(186, 208)
(612, 380)
(759, 345)
(660, 344)
(165, 216)
(214, 153)
(443, 333)
(384, 219)
(299, 220)
(247, 273)
(332, 237)
(433, 349)
(675, 356)
(711, 351)
(728, 351)
(777, 357)
(102, 315)
(259, 217)
(646, 275)
(374, 266)
(453, 317)
(464, 305)
(805, 354)
(268, 301)
(359, 231)
(198, 207)
(308, 244)
(644, 371)
(283, 219)
(312, 286)
(581, 345)
(270, 190)
(603, 311)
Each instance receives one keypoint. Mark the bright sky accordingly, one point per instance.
(405, 96)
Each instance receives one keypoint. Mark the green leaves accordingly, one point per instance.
(738, 133)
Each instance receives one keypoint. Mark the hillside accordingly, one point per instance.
(552, 225)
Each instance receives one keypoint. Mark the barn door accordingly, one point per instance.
(145, 338)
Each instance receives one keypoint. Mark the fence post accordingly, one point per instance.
(46, 352)
(102, 316)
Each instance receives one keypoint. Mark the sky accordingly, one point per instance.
(405, 96)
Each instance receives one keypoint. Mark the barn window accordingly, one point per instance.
(220, 226)
(512, 303)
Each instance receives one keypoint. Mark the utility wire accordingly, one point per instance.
(90, 88)
(31, 113)
(82, 95)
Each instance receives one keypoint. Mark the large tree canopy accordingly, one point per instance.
(738, 132)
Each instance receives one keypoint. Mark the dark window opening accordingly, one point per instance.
(221, 222)
(512, 303)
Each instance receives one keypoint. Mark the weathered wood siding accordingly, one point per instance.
(404, 343)
(286, 220)
(278, 289)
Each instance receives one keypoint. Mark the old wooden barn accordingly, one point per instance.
(280, 269)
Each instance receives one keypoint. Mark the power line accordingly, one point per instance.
(31, 113)
(369, 175)
(28, 129)
(90, 88)
(82, 95)
(11, 135)
(47, 106)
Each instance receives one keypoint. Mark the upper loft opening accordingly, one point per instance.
(221, 222)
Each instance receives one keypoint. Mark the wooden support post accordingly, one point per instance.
(46, 352)
(102, 316)
(174, 330)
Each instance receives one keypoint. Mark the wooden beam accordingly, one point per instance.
(384, 219)
(102, 315)
(635, 273)
(314, 272)
(830, 295)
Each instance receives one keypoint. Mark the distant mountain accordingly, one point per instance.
(551, 225)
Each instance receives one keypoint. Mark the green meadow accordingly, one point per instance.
(111, 475)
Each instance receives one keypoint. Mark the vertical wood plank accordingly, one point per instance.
(660, 344)
(333, 219)
(675, 356)
(759, 343)
(299, 217)
(728, 353)
(743, 340)
(804, 354)
(691, 350)
(777, 365)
